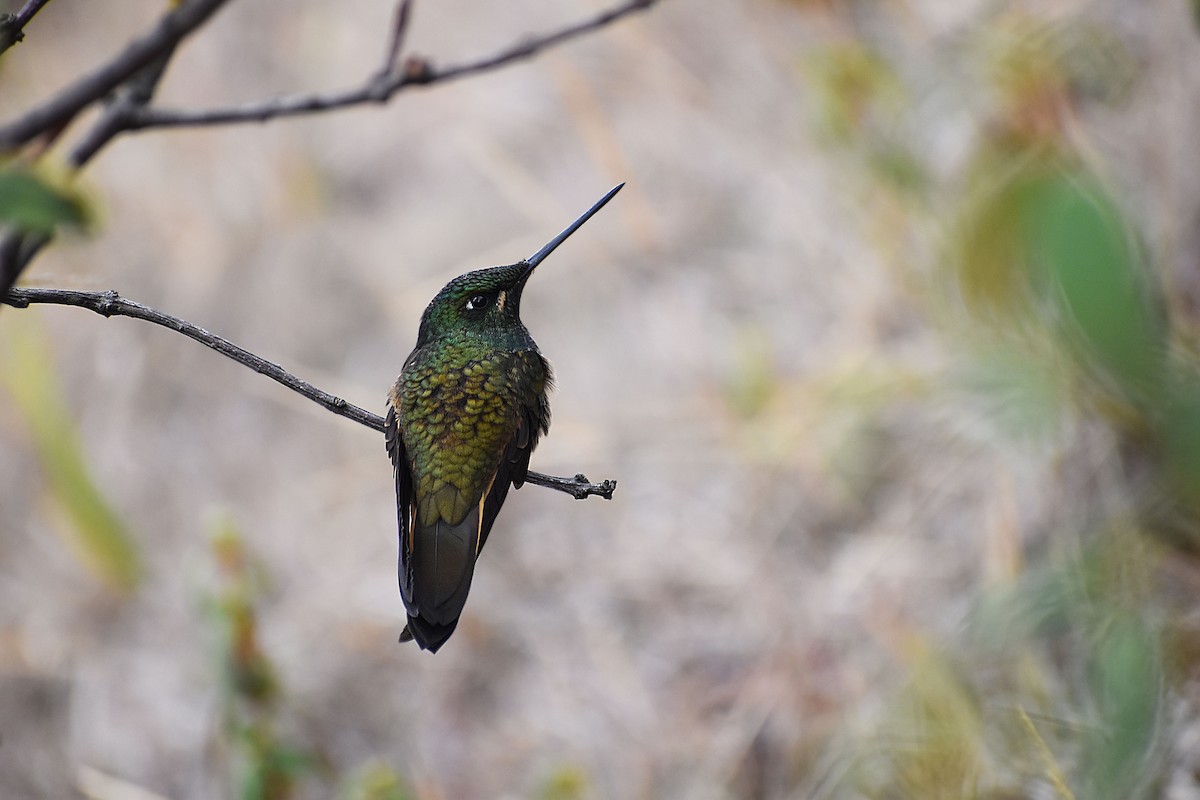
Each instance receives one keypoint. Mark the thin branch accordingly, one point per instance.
(138, 69)
(417, 72)
(111, 304)
(133, 94)
(12, 26)
(578, 487)
(399, 28)
(62, 108)
(28, 11)
(148, 55)
(18, 248)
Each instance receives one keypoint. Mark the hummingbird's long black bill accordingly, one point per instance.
(548, 248)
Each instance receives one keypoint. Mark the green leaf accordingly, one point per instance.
(96, 532)
(28, 202)
(1081, 241)
(989, 245)
(855, 88)
(565, 783)
(1181, 433)
(378, 781)
(1126, 683)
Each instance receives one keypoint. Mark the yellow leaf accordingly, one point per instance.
(96, 533)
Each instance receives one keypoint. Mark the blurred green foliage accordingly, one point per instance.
(1055, 688)
(1080, 240)
(377, 781)
(1045, 259)
(1181, 423)
(1027, 260)
(94, 530)
(265, 763)
(565, 783)
(860, 100)
(855, 86)
(33, 202)
(1126, 689)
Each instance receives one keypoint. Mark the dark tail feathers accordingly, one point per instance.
(429, 635)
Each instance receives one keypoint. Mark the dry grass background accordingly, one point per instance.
(817, 487)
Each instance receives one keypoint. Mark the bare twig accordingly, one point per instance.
(417, 72)
(18, 248)
(12, 26)
(60, 109)
(111, 304)
(578, 487)
(399, 28)
(133, 94)
(137, 69)
(27, 12)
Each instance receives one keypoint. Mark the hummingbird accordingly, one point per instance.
(462, 420)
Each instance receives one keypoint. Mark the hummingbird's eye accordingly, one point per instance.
(478, 302)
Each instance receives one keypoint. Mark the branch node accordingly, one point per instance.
(380, 89)
(584, 488)
(395, 45)
(418, 70)
(108, 302)
(10, 32)
(12, 25)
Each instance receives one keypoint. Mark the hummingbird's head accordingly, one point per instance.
(485, 303)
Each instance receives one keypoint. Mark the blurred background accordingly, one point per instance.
(890, 342)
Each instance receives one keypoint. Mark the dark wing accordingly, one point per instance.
(535, 422)
(404, 494)
(405, 500)
(441, 553)
(515, 463)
